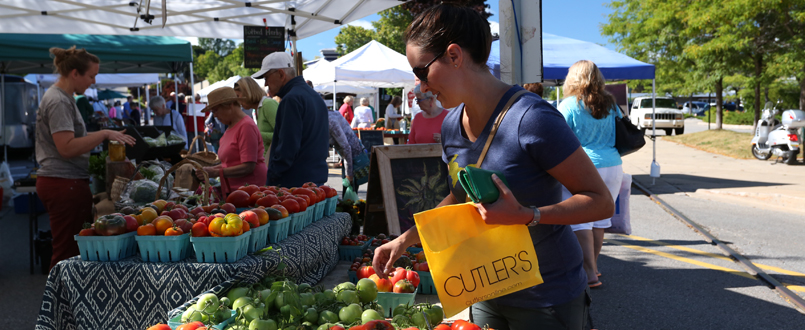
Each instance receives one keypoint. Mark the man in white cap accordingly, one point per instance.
(301, 133)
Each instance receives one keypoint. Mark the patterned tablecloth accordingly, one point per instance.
(132, 294)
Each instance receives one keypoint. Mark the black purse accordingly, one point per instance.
(628, 138)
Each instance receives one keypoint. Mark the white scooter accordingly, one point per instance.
(772, 138)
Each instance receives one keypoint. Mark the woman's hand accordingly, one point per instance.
(506, 210)
(212, 172)
(119, 136)
(385, 256)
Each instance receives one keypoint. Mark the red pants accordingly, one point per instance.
(69, 205)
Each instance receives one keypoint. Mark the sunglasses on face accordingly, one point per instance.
(422, 73)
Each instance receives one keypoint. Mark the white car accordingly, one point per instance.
(669, 118)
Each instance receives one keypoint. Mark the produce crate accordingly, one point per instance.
(414, 250)
(309, 213)
(278, 230)
(241, 209)
(332, 202)
(177, 321)
(350, 252)
(389, 300)
(163, 248)
(221, 249)
(297, 222)
(426, 285)
(320, 206)
(107, 248)
(353, 276)
(259, 237)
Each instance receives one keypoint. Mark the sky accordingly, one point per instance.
(577, 19)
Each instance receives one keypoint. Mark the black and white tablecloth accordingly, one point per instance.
(132, 294)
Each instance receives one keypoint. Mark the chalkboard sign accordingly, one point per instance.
(371, 139)
(403, 180)
(259, 41)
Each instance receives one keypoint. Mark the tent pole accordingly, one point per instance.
(138, 100)
(377, 102)
(3, 114)
(146, 109)
(192, 94)
(335, 106)
(655, 167)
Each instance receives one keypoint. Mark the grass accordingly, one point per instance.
(722, 142)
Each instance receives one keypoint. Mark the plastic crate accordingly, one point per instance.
(353, 276)
(319, 211)
(297, 222)
(221, 249)
(278, 230)
(350, 252)
(426, 285)
(107, 248)
(414, 250)
(259, 237)
(163, 248)
(309, 213)
(177, 321)
(332, 202)
(389, 300)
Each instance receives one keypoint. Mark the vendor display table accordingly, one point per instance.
(132, 294)
(402, 136)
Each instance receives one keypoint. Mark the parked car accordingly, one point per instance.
(698, 108)
(668, 117)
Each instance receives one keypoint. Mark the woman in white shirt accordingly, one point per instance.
(392, 114)
(363, 115)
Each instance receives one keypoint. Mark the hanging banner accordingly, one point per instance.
(259, 41)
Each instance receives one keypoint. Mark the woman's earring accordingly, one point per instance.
(455, 65)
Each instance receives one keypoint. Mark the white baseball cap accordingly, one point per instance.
(275, 60)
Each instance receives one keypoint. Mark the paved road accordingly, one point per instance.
(694, 125)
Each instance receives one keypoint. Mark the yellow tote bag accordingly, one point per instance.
(471, 261)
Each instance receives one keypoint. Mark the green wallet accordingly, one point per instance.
(478, 184)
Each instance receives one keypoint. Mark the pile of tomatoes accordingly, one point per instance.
(355, 240)
(293, 200)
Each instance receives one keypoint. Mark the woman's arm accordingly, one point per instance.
(236, 171)
(591, 200)
(70, 146)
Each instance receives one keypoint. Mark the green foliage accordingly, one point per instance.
(352, 37)
(222, 47)
(390, 28)
(97, 165)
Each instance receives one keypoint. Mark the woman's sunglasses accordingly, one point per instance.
(422, 73)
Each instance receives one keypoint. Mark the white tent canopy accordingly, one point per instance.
(318, 75)
(373, 65)
(103, 80)
(198, 18)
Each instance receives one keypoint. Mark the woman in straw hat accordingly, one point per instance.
(241, 147)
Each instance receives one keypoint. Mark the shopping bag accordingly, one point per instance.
(621, 222)
(471, 261)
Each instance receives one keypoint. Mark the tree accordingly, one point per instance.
(390, 28)
(352, 37)
(219, 46)
(204, 64)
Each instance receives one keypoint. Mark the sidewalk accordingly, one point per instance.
(710, 176)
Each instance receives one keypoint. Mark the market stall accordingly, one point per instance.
(133, 294)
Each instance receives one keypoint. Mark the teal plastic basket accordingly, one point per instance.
(259, 236)
(163, 248)
(107, 248)
(426, 285)
(309, 213)
(389, 300)
(414, 250)
(177, 321)
(221, 249)
(353, 276)
(350, 252)
(297, 222)
(278, 230)
(319, 211)
(332, 202)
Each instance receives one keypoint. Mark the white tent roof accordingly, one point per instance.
(321, 75)
(373, 65)
(197, 18)
(103, 80)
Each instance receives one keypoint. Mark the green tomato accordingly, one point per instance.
(324, 298)
(236, 293)
(371, 315)
(208, 303)
(307, 299)
(328, 317)
(435, 314)
(285, 311)
(399, 310)
(308, 326)
(191, 315)
(279, 301)
(252, 313)
(304, 287)
(263, 325)
(311, 315)
(367, 290)
(348, 297)
(226, 302)
(350, 314)
(262, 295)
(324, 326)
(344, 286)
(240, 302)
(222, 314)
(419, 320)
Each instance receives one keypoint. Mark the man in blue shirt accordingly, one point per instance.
(127, 108)
(165, 117)
(301, 134)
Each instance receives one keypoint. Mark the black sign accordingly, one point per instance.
(370, 139)
(259, 41)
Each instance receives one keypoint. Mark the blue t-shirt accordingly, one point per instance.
(532, 139)
(597, 136)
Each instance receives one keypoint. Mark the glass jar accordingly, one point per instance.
(117, 151)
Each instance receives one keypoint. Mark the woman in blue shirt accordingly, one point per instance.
(590, 112)
(167, 117)
(448, 46)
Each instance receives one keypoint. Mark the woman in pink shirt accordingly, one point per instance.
(427, 125)
(241, 147)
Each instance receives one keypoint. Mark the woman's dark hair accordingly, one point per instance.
(397, 101)
(439, 26)
(67, 60)
(535, 88)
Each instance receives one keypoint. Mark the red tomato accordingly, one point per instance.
(442, 327)
(464, 325)
(87, 232)
(250, 189)
(403, 286)
(268, 200)
(255, 197)
(238, 198)
(174, 231)
(383, 285)
(399, 274)
(291, 205)
(412, 277)
(199, 230)
(365, 272)
(160, 326)
(304, 201)
(191, 326)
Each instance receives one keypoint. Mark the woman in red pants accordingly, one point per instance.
(62, 150)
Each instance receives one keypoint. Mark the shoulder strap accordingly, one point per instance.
(497, 124)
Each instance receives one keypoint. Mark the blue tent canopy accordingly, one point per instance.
(559, 53)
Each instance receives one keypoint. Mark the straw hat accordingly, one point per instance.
(220, 96)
